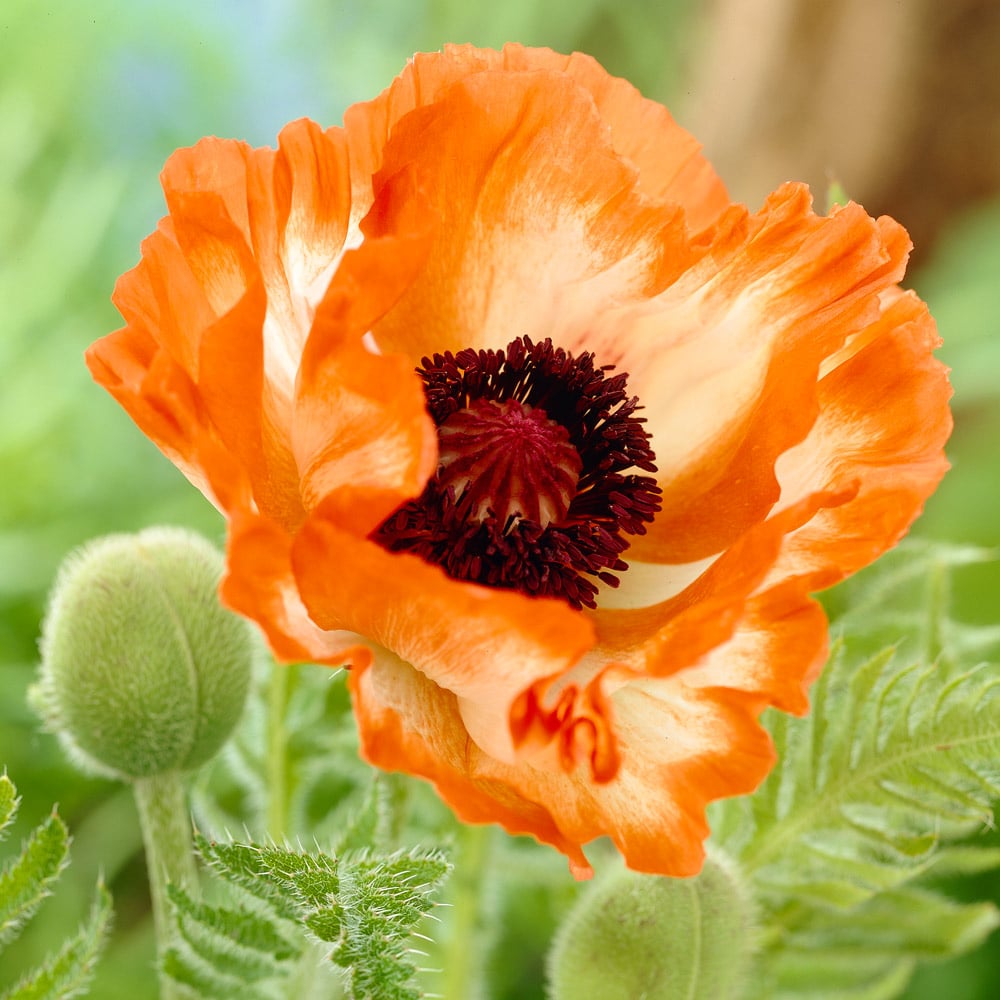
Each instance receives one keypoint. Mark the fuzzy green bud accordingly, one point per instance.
(143, 671)
(658, 938)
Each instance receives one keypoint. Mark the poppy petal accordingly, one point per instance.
(680, 748)
(883, 422)
(668, 157)
(541, 230)
(432, 622)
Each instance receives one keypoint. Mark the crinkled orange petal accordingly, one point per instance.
(542, 229)
(671, 636)
(726, 361)
(259, 583)
(228, 284)
(669, 159)
(883, 421)
(484, 645)
(163, 401)
(360, 417)
(681, 747)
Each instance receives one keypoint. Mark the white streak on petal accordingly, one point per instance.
(644, 584)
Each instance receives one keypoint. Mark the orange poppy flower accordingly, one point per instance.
(444, 367)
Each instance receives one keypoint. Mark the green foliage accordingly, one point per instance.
(26, 880)
(835, 195)
(898, 760)
(68, 973)
(960, 286)
(24, 883)
(365, 907)
(291, 769)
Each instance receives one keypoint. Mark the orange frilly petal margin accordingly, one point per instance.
(271, 333)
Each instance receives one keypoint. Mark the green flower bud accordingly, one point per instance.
(143, 671)
(658, 938)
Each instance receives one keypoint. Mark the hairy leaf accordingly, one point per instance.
(381, 902)
(244, 866)
(26, 880)
(8, 804)
(202, 979)
(366, 907)
(68, 973)
(236, 941)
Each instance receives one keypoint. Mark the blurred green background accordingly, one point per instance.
(94, 97)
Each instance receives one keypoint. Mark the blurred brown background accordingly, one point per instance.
(899, 100)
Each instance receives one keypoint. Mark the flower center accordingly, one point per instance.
(508, 460)
(536, 486)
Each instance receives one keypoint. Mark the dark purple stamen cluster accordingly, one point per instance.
(557, 559)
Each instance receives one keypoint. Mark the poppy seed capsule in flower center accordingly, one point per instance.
(510, 460)
(533, 490)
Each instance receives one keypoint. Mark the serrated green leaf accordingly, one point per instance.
(365, 827)
(203, 981)
(244, 866)
(8, 804)
(965, 859)
(903, 922)
(380, 902)
(922, 767)
(68, 973)
(899, 758)
(25, 880)
(234, 942)
(835, 975)
(366, 908)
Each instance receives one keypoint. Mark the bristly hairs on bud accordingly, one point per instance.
(142, 670)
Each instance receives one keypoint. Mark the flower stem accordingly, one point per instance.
(166, 833)
(937, 598)
(463, 959)
(281, 684)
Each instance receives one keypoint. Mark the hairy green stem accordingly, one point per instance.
(166, 834)
(463, 960)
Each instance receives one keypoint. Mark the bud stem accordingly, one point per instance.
(166, 833)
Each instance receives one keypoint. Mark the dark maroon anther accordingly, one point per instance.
(532, 490)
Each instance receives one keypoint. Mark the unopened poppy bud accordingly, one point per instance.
(658, 938)
(143, 671)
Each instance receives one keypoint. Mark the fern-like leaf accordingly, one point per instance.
(68, 973)
(893, 760)
(381, 902)
(205, 926)
(27, 879)
(246, 867)
(899, 758)
(366, 908)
